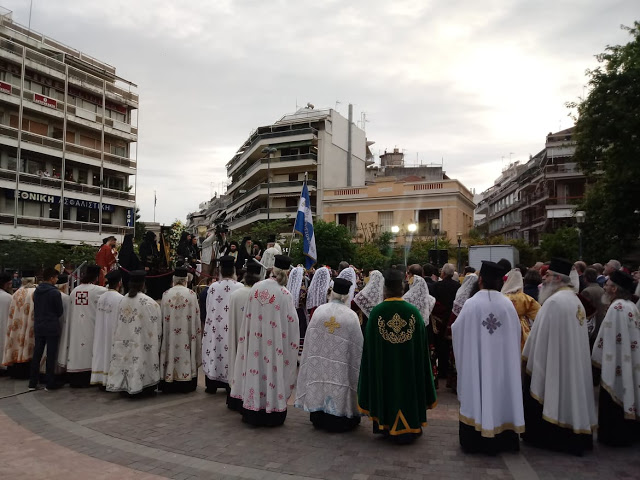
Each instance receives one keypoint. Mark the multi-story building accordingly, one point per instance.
(67, 127)
(400, 195)
(529, 200)
(269, 169)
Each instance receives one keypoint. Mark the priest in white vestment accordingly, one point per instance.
(180, 353)
(418, 296)
(76, 342)
(106, 319)
(6, 293)
(269, 255)
(237, 305)
(215, 339)
(135, 353)
(617, 355)
(327, 384)
(266, 362)
(486, 344)
(19, 335)
(370, 296)
(558, 398)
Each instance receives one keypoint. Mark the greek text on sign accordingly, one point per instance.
(5, 87)
(44, 101)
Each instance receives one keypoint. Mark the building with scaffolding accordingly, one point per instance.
(68, 141)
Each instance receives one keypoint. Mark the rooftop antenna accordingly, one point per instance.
(30, 9)
(363, 121)
(338, 102)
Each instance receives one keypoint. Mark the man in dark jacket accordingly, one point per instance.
(444, 292)
(47, 310)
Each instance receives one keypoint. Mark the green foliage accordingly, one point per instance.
(562, 243)
(260, 231)
(529, 255)
(177, 227)
(333, 243)
(20, 253)
(608, 151)
(368, 256)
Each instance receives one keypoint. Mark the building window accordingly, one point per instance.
(291, 202)
(293, 177)
(54, 211)
(82, 175)
(106, 218)
(119, 150)
(424, 221)
(87, 215)
(349, 220)
(385, 221)
(11, 163)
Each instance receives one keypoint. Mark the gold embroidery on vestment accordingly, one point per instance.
(580, 316)
(397, 323)
(332, 324)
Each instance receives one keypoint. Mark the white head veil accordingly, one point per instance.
(575, 280)
(294, 283)
(317, 293)
(349, 274)
(514, 283)
(418, 296)
(464, 292)
(372, 294)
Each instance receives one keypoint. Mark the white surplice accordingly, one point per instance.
(106, 319)
(372, 294)
(269, 256)
(135, 352)
(559, 363)
(418, 296)
(617, 354)
(486, 344)
(20, 336)
(237, 305)
(319, 288)
(266, 362)
(215, 340)
(180, 354)
(350, 275)
(76, 342)
(5, 307)
(330, 365)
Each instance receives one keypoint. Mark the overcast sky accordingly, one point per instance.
(467, 81)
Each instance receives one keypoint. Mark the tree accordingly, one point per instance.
(260, 231)
(139, 228)
(333, 244)
(607, 133)
(368, 256)
(562, 243)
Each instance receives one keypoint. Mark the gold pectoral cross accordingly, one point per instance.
(332, 324)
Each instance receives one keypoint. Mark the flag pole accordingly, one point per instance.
(293, 233)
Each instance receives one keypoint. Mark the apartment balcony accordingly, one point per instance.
(277, 163)
(514, 206)
(534, 199)
(37, 222)
(261, 214)
(274, 187)
(302, 132)
(562, 171)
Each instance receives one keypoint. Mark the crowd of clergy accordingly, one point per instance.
(338, 348)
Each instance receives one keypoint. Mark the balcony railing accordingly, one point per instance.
(260, 211)
(265, 187)
(275, 163)
(256, 137)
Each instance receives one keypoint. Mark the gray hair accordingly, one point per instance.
(615, 264)
(179, 281)
(448, 270)
(280, 276)
(28, 281)
(339, 296)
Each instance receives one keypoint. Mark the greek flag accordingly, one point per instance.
(304, 226)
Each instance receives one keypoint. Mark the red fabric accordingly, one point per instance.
(105, 259)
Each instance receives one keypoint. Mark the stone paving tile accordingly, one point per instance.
(196, 436)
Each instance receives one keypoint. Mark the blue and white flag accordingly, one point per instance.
(304, 226)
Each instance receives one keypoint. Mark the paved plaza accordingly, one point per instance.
(88, 433)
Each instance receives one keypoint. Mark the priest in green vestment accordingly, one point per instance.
(396, 382)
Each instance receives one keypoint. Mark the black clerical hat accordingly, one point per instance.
(113, 276)
(180, 272)
(271, 239)
(491, 270)
(561, 266)
(253, 266)
(62, 279)
(282, 262)
(623, 280)
(341, 286)
(227, 261)
(137, 275)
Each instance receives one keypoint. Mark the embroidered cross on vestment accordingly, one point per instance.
(332, 324)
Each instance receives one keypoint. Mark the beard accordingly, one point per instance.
(546, 291)
(606, 299)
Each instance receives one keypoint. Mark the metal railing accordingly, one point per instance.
(274, 162)
(272, 185)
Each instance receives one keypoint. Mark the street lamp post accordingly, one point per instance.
(459, 250)
(435, 226)
(580, 217)
(411, 228)
(269, 151)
